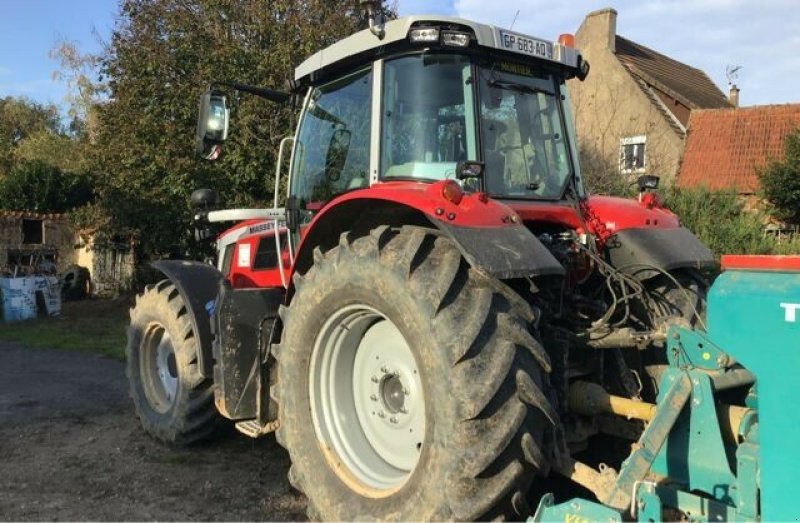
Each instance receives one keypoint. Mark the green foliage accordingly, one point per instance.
(20, 119)
(720, 221)
(162, 55)
(41, 187)
(780, 181)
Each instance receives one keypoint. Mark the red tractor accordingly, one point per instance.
(413, 321)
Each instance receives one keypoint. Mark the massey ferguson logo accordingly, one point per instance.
(790, 311)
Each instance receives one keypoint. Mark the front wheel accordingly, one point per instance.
(408, 385)
(173, 401)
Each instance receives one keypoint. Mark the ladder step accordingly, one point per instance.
(252, 428)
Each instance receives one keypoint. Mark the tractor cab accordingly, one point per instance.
(424, 100)
(435, 99)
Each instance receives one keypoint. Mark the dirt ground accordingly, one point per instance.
(72, 449)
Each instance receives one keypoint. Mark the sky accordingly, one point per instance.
(762, 37)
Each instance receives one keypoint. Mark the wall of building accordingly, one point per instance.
(610, 105)
(57, 238)
(111, 265)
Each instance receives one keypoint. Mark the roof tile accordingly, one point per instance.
(725, 148)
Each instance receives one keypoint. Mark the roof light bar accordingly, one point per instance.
(424, 35)
(455, 39)
(432, 35)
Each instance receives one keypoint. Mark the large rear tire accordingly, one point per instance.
(409, 387)
(173, 401)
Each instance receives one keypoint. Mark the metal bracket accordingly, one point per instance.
(688, 348)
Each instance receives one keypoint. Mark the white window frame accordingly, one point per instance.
(632, 140)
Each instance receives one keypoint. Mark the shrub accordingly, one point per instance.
(720, 221)
(780, 180)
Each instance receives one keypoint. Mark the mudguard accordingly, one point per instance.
(503, 252)
(644, 253)
(488, 233)
(197, 283)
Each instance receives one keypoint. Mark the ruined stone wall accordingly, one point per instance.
(57, 237)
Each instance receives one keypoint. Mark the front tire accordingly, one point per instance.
(174, 403)
(409, 386)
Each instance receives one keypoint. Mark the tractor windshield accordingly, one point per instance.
(523, 135)
(428, 116)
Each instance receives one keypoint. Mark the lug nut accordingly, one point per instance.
(384, 370)
(374, 379)
(393, 419)
(381, 414)
(373, 397)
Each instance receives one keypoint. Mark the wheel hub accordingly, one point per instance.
(393, 393)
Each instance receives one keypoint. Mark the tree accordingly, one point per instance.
(162, 55)
(780, 180)
(20, 119)
(41, 187)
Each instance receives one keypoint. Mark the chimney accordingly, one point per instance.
(601, 27)
(733, 95)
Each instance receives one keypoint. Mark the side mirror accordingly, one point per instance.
(469, 169)
(336, 157)
(212, 124)
(647, 182)
(583, 68)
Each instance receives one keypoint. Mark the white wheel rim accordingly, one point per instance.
(367, 400)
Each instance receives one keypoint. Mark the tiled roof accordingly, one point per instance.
(692, 87)
(20, 215)
(726, 147)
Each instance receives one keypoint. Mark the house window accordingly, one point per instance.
(632, 157)
(32, 232)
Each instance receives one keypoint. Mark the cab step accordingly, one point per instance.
(254, 429)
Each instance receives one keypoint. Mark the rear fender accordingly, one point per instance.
(198, 283)
(645, 253)
(489, 234)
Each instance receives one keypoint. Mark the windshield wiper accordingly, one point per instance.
(513, 86)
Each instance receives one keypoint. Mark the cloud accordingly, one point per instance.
(707, 34)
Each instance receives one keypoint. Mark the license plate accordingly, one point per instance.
(526, 45)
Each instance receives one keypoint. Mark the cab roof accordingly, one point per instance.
(367, 46)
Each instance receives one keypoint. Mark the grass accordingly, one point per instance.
(96, 326)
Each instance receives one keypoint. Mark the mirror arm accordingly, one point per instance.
(262, 92)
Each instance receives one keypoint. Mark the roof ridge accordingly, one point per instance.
(749, 107)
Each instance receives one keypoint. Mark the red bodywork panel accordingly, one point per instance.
(600, 216)
(761, 263)
(474, 209)
(241, 274)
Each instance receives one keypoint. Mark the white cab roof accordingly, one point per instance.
(397, 30)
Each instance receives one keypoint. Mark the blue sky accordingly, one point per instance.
(762, 37)
(29, 29)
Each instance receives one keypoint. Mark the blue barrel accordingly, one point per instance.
(18, 299)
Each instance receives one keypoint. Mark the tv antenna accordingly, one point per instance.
(732, 72)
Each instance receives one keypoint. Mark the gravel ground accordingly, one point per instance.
(71, 448)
